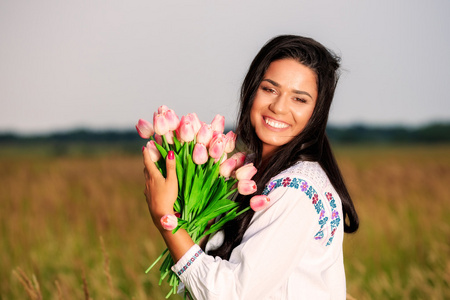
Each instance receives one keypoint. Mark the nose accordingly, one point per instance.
(279, 105)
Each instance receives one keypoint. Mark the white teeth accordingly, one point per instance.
(274, 124)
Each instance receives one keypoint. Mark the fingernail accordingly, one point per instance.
(143, 147)
(171, 155)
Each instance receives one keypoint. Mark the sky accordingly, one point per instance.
(105, 64)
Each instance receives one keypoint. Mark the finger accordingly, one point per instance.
(171, 167)
(146, 175)
(149, 164)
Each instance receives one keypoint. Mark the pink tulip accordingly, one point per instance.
(246, 187)
(162, 109)
(154, 152)
(145, 129)
(169, 222)
(158, 139)
(169, 137)
(240, 159)
(172, 119)
(205, 134)
(185, 131)
(231, 141)
(218, 123)
(217, 146)
(246, 172)
(195, 121)
(259, 202)
(200, 154)
(160, 123)
(227, 167)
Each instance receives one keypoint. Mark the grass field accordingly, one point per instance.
(77, 226)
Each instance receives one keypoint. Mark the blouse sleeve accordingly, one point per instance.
(273, 245)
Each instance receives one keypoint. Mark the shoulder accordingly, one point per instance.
(307, 182)
(309, 171)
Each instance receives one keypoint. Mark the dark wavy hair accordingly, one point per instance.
(310, 145)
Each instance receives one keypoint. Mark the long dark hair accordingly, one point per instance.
(310, 145)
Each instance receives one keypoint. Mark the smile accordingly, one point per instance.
(274, 123)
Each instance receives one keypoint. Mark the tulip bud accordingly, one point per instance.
(205, 134)
(160, 124)
(259, 202)
(185, 131)
(231, 141)
(196, 124)
(158, 139)
(200, 154)
(144, 129)
(246, 187)
(216, 146)
(162, 109)
(155, 155)
(218, 123)
(172, 119)
(169, 137)
(240, 159)
(227, 167)
(169, 222)
(246, 172)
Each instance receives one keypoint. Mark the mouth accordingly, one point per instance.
(275, 124)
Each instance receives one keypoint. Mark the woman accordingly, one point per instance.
(293, 248)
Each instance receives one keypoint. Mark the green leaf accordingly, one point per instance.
(189, 173)
(161, 150)
(176, 143)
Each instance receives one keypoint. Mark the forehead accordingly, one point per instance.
(291, 74)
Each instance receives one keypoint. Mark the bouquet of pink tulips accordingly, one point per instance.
(207, 177)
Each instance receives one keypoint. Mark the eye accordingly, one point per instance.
(268, 89)
(301, 100)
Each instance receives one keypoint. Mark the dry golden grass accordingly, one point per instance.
(78, 227)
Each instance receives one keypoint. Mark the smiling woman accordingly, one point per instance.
(292, 248)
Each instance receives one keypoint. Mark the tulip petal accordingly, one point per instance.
(227, 167)
(246, 187)
(231, 141)
(160, 124)
(144, 129)
(155, 155)
(218, 123)
(172, 120)
(246, 172)
(200, 154)
(217, 146)
(259, 202)
(169, 222)
(240, 159)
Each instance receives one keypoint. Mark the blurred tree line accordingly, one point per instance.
(92, 142)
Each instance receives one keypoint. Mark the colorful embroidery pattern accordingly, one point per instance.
(335, 219)
(298, 183)
(188, 264)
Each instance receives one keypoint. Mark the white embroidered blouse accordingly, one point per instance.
(291, 250)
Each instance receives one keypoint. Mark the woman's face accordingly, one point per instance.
(284, 103)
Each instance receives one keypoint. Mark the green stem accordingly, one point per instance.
(157, 260)
(166, 145)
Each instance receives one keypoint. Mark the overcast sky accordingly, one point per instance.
(105, 64)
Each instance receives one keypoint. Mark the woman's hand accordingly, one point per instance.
(161, 193)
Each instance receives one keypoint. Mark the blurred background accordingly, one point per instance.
(75, 76)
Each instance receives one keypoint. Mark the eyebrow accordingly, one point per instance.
(295, 91)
